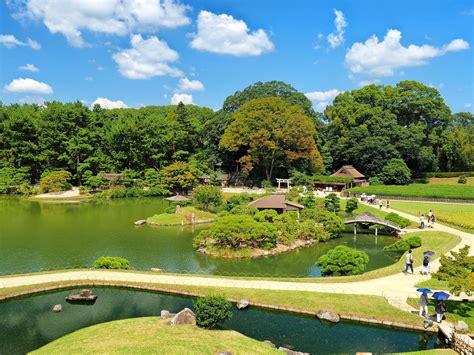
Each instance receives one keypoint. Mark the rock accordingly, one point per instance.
(140, 222)
(57, 308)
(186, 316)
(269, 343)
(155, 269)
(84, 296)
(291, 352)
(224, 353)
(329, 316)
(461, 326)
(165, 314)
(242, 304)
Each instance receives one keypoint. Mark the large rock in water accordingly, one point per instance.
(83, 296)
(186, 316)
(291, 352)
(57, 308)
(242, 304)
(329, 316)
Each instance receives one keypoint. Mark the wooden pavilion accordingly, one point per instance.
(349, 177)
(278, 203)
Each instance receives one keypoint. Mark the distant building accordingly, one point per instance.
(278, 203)
(349, 177)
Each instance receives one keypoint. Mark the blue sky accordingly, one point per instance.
(146, 52)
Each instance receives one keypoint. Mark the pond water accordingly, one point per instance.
(28, 323)
(36, 236)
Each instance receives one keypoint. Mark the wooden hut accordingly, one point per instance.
(345, 178)
(278, 203)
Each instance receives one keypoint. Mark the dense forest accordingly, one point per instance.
(266, 130)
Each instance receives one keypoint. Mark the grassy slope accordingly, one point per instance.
(456, 310)
(462, 192)
(173, 218)
(450, 181)
(375, 307)
(456, 215)
(151, 335)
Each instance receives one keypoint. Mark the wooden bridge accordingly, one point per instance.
(368, 218)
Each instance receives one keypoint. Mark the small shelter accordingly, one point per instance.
(177, 198)
(345, 178)
(278, 203)
(222, 179)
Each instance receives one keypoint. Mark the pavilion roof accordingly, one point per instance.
(274, 202)
(349, 171)
(178, 198)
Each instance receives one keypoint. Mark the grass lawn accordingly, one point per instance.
(151, 335)
(375, 307)
(450, 181)
(434, 284)
(461, 192)
(457, 310)
(455, 215)
(184, 217)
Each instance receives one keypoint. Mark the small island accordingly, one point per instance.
(181, 216)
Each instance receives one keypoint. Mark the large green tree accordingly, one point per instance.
(268, 133)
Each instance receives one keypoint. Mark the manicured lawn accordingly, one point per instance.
(450, 181)
(461, 192)
(456, 215)
(456, 310)
(434, 284)
(151, 335)
(184, 217)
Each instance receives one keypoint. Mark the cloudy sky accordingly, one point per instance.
(129, 53)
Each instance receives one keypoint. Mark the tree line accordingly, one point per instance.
(266, 130)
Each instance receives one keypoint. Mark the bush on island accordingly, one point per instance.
(55, 181)
(212, 311)
(332, 223)
(111, 262)
(342, 261)
(395, 218)
(404, 244)
(206, 196)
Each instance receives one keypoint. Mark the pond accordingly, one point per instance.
(28, 323)
(36, 236)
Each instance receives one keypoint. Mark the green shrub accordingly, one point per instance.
(244, 210)
(395, 172)
(266, 184)
(332, 203)
(343, 260)
(206, 196)
(395, 218)
(462, 179)
(111, 262)
(351, 205)
(458, 270)
(450, 174)
(236, 200)
(55, 181)
(14, 181)
(331, 222)
(375, 181)
(212, 311)
(404, 245)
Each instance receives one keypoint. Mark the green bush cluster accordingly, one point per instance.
(462, 179)
(395, 218)
(449, 174)
(237, 200)
(55, 181)
(342, 261)
(211, 311)
(124, 192)
(111, 262)
(207, 196)
(14, 181)
(404, 245)
(331, 222)
(351, 205)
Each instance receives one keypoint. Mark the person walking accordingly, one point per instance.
(424, 305)
(380, 203)
(426, 265)
(422, 222)
(432, 221)
(430, 213)
(409, 261)
(440, 309)
(388, 204)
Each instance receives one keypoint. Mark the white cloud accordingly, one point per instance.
(147, 58)
(108, 104)
(184, 98)
(29, 86)
(10, 41)
(375, 58)
(223, 34)
(336, 38)
(186, 85)
(369, 82)
(29, 67)
(322, 98)
(118, 17)
(468, 105)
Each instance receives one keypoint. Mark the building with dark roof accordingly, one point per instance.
(278, 203)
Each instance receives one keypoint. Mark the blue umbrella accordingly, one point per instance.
(440, 296)
(424, 290)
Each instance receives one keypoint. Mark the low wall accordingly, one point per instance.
(462, 344)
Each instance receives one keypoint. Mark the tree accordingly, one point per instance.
(179, 176)
(268, 133)
(55, 181)
(151, 177)
(343, 261)
(332, 203)
(395, 172)
(351, 205)
(457, 270)
(13, 181)
(206, 196)
(212, 311)
(111, 262)
(330, 221)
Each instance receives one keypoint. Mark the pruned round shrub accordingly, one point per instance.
(342, 261)
(395, 218)
(404, 244)
(351, 205)
(212, 311)
(462, 179)
(111, 262)
(207, 196)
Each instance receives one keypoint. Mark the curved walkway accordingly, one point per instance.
(396, 288)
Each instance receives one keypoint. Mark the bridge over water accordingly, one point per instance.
(368, 218)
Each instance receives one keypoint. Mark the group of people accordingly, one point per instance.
(440, 308)
(372, 200)
(425, 270)
(431, 219)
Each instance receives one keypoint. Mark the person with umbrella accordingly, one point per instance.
(440, 307)
(424, 301)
